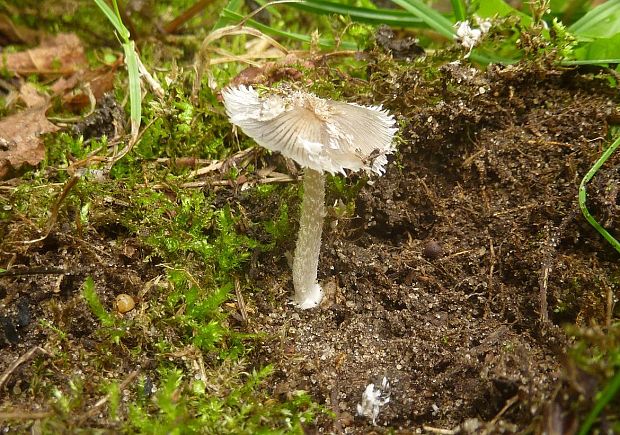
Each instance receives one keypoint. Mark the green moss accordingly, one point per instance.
(280, 228)
(595, 359)
(190, 406)
(64, 148)
(112, 328)
(176, 127)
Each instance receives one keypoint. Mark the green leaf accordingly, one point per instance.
(430, 16)
(583, 197)
(459, 10)
(604, 398)
(135, 94)
(600, 49)
(123, 32)
(492, 8)
(570, 11)
(485, 57)
(233, 6)
(591, 61)
(231, 17)
(364, 15)
(601, 22)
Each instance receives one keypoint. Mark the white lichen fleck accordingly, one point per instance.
(469, 36)
(373, 399)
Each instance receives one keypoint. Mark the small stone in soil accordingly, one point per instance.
(432, 250)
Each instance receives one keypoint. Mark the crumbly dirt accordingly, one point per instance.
(452, 278)
(460, 266)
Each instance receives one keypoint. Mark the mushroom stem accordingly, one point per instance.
(308, 292)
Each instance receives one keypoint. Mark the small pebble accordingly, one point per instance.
(432, 250)
(124, 303)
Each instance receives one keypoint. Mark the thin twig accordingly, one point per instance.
(202, 59)
(198, 184)
(487, 308)
(511, 210)
(456, 254)
(153, 83)
(132, 141)
(548, 250)
(491, 264)
(610, 307)
(95, 408)
(241, 301)
(250, 59)
(25, 415)
(187, 15)
(218, 164)
(55, 208)
(507, 406)
(543, 283)
(201, 364)
(339, 429)
(19, 361)
(439, 430)
(39, 270)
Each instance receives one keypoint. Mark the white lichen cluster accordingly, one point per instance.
(373, 399)
(469, 36)
(321, 136)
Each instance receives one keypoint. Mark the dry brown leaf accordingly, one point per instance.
(73, 89)
(62, 54)
(99, 83)
(11, 33)
(31, 96)
(20, 139)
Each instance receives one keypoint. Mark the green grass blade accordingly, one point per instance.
(135, 94)
(459, 10)
(123, 32)
(606, 396)
(486, 58)
(231, 17)
(601, 22)
(582, 194)
(364, 15)
(430, 16)
(599, 49)
(590, 62)
(233, 6)
(571, 10)
(493, 8)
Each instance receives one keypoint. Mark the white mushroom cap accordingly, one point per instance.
(324, 135)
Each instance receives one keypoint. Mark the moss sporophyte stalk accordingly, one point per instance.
(321, 136)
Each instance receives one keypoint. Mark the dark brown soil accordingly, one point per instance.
(452, 279)
(462, 263)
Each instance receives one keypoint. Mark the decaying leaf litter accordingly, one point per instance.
(436, 280)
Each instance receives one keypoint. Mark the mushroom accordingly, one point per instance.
(321, 136)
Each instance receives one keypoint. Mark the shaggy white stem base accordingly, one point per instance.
(308, 292)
